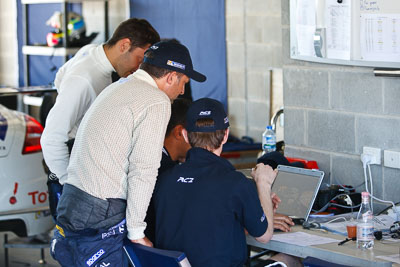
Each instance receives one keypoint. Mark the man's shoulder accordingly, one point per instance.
(166, 164)
(171, 171)
(149, 93)
(232, 174)
(84, 61)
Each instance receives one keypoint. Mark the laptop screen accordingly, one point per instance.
(297, 188)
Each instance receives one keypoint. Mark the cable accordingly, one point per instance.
(371, 192)
(336, 219)
(375, 198)
(334, 204)
(346, 188)
(346, 207)
(366, 160)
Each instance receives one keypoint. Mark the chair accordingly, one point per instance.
(142, 256)
(314, 262)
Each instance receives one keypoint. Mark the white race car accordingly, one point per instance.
(24, 207)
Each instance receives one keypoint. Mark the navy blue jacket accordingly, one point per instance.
(202, 208)
(150, 232)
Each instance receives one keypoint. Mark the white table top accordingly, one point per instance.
(346, 254)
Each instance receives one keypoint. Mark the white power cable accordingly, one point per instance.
(366, 159)
(331, 221)
(372, 188)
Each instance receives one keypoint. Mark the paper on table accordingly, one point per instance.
(393, 258)
(302, 239)
(383, 222)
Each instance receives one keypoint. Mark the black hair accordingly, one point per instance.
(138, 31)
(179, 109)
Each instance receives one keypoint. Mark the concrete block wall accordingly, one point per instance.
(332, 111)
(93, 13)
(254, 57)
(8, 43)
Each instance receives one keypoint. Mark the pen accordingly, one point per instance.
(346, 240)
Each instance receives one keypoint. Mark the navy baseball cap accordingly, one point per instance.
(206, 108)
(173, 56)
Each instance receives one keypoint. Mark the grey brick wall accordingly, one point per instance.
(254, 51)
(332, 111)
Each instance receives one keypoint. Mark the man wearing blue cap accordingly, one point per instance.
(204, 205)
(113, 165)
(78, 83)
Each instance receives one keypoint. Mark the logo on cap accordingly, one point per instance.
(205, 113)
(154, 47)
(226, 120)
(176, 64)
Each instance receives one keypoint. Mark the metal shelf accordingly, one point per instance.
(42, 50)
(48, 51)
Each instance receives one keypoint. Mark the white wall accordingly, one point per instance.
(8, 43)
(93, 13)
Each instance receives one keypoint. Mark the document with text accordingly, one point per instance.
(303, 239)
(380, 37)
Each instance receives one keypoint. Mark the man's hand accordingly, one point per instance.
(263, 174)
(282, 222)
(275, 201)
(143, 241)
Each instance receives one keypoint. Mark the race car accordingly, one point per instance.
(23, 192)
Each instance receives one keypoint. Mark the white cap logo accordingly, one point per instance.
(205, 113)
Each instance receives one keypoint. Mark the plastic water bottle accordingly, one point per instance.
(268, 140)
(365, 225)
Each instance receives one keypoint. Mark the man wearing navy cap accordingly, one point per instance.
(113, 165)
(204, 205)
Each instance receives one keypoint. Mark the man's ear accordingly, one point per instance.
(185, 135)
(124, 45)
(226, 135)
(177, 132)
(171, 78)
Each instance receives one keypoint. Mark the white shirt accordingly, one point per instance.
(78, 83)
(117, 150)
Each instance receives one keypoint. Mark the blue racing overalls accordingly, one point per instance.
(89, 231)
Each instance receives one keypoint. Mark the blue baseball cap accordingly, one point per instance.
(173, 56)
(206, 108)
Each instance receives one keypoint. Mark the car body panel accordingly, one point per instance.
(23, 191)
(7, 129)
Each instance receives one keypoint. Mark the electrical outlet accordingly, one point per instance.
(375, 153)
(391, 159)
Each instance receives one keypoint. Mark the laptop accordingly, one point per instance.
(297, 188)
